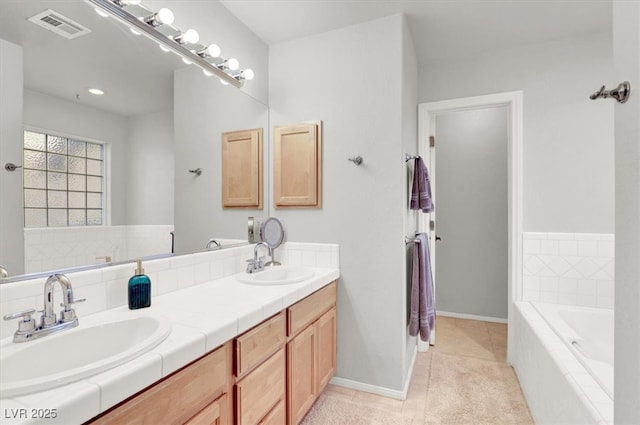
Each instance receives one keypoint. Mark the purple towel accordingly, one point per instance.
(421, 188)
(423, 312)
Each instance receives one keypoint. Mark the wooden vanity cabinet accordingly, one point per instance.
(311, 350)
(195, 394)
(261, 373)
(270, 375)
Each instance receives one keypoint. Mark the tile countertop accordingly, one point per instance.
(203, 317)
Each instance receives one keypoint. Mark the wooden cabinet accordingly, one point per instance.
(311, 351)
(257, 344)
(270, 375)
(297, 161)
(261, 390)
(277, 415)
(216, 413)
(261, 372)
(242, 169)
(326, 330)
(180, 396)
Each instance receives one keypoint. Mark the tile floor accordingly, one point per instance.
(464, 339)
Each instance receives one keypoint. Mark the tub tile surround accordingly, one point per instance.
(62, 247)
(556, 385)
(569, 268)
(204, 315)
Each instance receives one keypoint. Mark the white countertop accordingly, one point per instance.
(203, 317)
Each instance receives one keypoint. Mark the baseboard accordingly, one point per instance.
(374, 389)
(470, 316)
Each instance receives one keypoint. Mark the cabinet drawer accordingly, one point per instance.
(176, 398)
(304, 312)
(259, 343)
(259, 391)
(277, 416)
(217, 413)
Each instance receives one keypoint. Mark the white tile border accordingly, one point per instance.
(566, 268)
(106, 288)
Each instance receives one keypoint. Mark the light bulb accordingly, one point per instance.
(102, 13)
(190, 36)
(248, 74)
(233, 64)
(207, 73)
(164, 49)
(97, 92)
(165, 16)
(213, 50)
(223, 82)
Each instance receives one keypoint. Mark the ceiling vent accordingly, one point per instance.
(60, 24)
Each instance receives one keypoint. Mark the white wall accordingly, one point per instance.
(410, 146)
(471, 211)
(203, 110)
(338, 77)
(67, 118)
(626, 36)
(568, 139)
(11, 213)
(150, 163)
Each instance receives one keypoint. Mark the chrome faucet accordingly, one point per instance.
(213, 243)
(256, 263)
(49, 323)
(3, 272)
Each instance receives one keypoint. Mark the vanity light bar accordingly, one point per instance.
(151, 32)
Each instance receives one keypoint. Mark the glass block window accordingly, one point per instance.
(63, 181)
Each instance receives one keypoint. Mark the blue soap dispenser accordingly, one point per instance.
(139, 288)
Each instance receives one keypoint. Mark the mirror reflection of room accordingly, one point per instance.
(102, 159)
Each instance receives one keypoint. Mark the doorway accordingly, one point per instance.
(512, 101)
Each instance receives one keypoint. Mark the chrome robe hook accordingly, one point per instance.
(620, 93)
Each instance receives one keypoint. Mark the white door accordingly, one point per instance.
(427, 222)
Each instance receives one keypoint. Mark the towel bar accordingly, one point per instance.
(408, 240)
(408, 157)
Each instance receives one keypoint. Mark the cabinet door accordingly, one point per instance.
(277, 415)
(326, 329)
(242, 169)
(297, 168)
(302, 369)
(217, 413)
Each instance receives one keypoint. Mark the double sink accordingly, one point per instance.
(93, 348)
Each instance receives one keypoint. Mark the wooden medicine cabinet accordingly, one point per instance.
(242, 169)
(297, 161)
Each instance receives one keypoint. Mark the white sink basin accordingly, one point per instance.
(77, 353)
(277, 275)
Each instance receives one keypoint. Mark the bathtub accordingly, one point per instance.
(563, 356)
(588, 332)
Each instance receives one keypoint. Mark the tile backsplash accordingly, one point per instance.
(62, 247)
(106, 288)
(569, 268)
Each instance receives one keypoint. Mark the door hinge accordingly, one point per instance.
(432, 225)
(432, 141)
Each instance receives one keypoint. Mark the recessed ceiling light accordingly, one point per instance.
(97, 92)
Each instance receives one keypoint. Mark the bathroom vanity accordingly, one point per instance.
(239, 351)
(271, 374)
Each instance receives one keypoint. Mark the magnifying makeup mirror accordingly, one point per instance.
(272, 234)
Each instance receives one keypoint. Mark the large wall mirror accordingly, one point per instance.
(159, 119)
